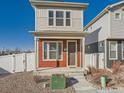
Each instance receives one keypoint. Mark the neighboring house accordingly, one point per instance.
(59, 36)
(107, 34)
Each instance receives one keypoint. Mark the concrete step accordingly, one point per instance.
(76, 74)
(86, 90)
(82, 84)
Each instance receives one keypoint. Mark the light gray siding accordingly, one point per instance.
(99, 31)
(42, 20)
(117, 26)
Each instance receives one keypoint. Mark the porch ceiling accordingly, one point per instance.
(59, 34)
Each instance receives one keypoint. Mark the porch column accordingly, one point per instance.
(36, 53)
(82, 47)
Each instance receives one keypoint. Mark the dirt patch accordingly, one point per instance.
(27, 83)
(115, 79)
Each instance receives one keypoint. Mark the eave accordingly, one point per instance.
(97, 17)
(59, 34)
(102, 13)
(38, 3)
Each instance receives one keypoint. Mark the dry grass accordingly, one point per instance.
(27, 83)
(114, 80)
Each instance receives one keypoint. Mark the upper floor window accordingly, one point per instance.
(68, 18)
(51, 18)
(59, 18)
(117, 16)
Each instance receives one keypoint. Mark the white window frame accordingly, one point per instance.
(54, 12)
(51, 18)
(115, 16)
(116, 50)
(63, 18)
(68, 18)
(48, 59)
(122, 45)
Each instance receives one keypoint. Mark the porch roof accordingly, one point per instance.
(59, 34)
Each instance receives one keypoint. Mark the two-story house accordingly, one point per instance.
(59, 36)
(107, 35)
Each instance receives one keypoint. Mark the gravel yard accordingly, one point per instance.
(27, 83)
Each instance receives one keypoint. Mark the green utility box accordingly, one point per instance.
(58, 81)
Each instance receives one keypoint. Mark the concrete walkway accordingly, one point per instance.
(83, 86)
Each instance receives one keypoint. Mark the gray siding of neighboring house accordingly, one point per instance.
(119, 45)
(97, 47)
(117, 26)
(99, 30)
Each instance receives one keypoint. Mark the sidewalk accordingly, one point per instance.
(111, 91)
(84, 86)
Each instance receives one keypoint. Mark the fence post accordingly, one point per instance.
(25, 62)
(13, 63)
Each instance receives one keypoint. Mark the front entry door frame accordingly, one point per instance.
(75, 53)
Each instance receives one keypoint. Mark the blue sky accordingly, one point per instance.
(17, 18)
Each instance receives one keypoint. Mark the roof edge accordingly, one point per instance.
(103, 12)
(55, 3)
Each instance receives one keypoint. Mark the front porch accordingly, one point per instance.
(61, 70)
(61, 49)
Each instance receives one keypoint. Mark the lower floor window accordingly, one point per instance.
(52, 50)
(113, 50)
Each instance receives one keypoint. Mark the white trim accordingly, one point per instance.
(80, 51)
(36, 53)
(113, 5)
(51, 18)
(68, 18)
(83, 52)
(122, 49)
(116, 51)
(48, 49)
(64, 17)
(63, 3)
(115, 15)
(35, 48)
(105, 54)
(59, 37)
(75, 53)
(82, 19)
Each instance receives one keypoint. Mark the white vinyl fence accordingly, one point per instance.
(95, 60)
(17, 63)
